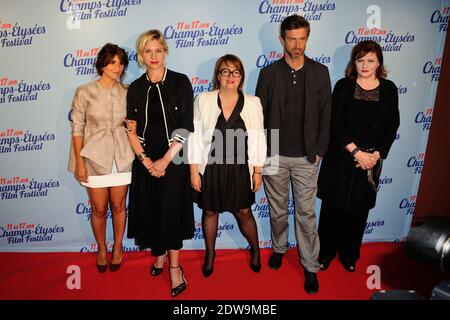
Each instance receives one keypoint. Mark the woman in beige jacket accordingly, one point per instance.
(101, 156)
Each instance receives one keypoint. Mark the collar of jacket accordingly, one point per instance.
(159, 82)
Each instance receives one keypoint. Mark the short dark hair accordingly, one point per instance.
(360, 50)
(226, 59)
(294, 22)
(107, 54)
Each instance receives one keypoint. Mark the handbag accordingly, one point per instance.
(373, 175)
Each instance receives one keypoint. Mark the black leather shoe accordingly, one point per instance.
(208, 270)
(311, 283)
(154, 271)
(325, 263)
(115, 266)
(102, 268)
(255, 267)
(275, 260)
(349, 266)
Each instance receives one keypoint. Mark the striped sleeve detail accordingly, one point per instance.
(180, 138)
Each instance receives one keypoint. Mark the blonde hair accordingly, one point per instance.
(148, 36)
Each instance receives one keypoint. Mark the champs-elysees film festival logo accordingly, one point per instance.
(14, 91)
(24, 232)
(277, 10)
(197, 33)
(18, 140)
(17, 35)
(12, 188)
(79, 11)
(82, 61)
(440, 18)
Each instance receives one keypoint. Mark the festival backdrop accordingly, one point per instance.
(48, 49)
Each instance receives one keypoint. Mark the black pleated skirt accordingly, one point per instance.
(160, 211)
(225, 187)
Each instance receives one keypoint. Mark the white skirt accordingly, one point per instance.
(113, 179)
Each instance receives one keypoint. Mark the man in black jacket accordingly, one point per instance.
(295, 93)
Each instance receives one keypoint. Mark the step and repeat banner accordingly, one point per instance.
(48, 49)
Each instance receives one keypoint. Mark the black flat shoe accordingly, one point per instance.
(181, 287)
(325, 263)
(349, 266)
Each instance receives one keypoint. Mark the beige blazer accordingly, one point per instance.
(98, 115)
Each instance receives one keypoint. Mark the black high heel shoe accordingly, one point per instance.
(154, 271)
(181, 287)
(115, 266)
(208, 271)
(254, 267)
(102, 267)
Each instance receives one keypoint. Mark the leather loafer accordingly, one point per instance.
(311, 283)
(275, 260)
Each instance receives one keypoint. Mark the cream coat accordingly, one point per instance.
(206, 113)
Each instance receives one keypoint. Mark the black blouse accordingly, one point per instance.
(371, 124)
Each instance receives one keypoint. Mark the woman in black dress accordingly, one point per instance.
(227, 153)
(365, 119)
(160, 208)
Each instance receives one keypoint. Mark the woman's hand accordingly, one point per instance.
(377, 154)
(196, 182)
(147, 163)
(158, 168)
(81, 172)
(131, 126)
(257, 181)
(366, 160)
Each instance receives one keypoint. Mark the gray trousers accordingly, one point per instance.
(303, 176)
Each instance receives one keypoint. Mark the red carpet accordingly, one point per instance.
(43, 276)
